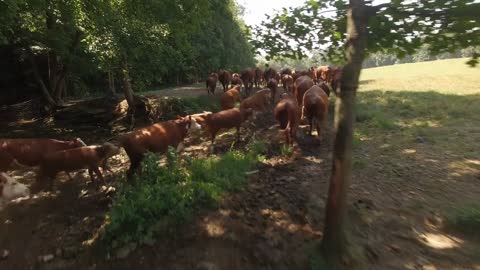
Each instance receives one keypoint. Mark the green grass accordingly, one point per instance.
(161, 198)
(446, 76)
(466, 218)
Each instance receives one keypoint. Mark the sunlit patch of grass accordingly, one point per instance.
(451, 76)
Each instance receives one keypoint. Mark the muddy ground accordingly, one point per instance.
(275, 222)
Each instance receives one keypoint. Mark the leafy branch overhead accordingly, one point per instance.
(398, 27)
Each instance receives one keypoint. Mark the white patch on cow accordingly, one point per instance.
(194, 125)
(11, 188)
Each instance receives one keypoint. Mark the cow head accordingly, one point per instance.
(11, 189)
(110, 149)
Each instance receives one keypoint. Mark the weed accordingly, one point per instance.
(161, 198)
(286, 150)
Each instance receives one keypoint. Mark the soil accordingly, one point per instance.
(275, 222)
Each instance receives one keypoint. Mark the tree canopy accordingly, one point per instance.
(398, 27)
(159, 42)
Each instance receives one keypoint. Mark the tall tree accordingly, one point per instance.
(347, 32)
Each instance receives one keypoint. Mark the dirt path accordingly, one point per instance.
(273, 223)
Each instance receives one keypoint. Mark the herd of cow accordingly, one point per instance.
(305, 98)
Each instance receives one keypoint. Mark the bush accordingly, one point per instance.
(466, 218)
(163, 197)
(171, 107)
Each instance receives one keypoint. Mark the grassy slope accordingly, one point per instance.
(445, 76)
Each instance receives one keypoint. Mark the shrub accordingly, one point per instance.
(163, 197)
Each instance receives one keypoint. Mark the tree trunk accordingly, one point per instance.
(56, 77)
(127, 90)
(45, 93)
(111, 83)
(335, 243)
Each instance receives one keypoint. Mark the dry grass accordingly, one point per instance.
(451, 76)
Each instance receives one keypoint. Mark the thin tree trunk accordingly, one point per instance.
(128, 91)
(335, 241)
(111, 83)
(45, 93)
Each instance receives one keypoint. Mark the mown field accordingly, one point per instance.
(450, 76)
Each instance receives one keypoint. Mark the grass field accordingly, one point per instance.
(417, 152)
(451, 76)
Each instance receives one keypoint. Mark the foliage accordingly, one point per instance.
(171, 107)
(162, 197)
(397, 27)
(161, 41)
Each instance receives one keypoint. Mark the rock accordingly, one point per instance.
(58, 252)
(123, 252)
(5, 254)
(207, 266)
(46, 258)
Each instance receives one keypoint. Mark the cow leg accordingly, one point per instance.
(98, 173)
(135, 162)
(319, 124)
(287, 135)
(180, 147)
(310, 122)
(90, 172)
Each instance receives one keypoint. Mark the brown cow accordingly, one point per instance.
(236, 79)
(337, 79)
(155, 138)
(286, 71)
(270, 73)
(287, 82)
(323, 73)
(273, 85)
(315, 108)
(227, 119)
(301, 85)
(258, 101)
(248, 76)
(224, 76)
(85, 157)
(30, 152)
(229, 98)
(212, 83)
(287, 113)
(258, 77)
